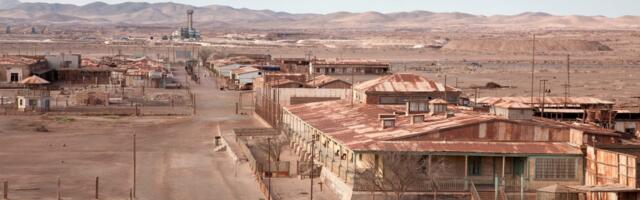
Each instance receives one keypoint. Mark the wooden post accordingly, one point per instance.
(503, 165)
(59, 196)
(495, 187)
(194, 102)
(466, 172)
(346, 169)
(133, 189)
(429, 166)
(97, 187)
(6, 190)
(522, 187)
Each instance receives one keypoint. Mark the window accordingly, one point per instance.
(387, 100)
(418, 118)
(555, 168)
(630, 130)
(474, 166)
(14, 77)
(418, 107)
(20, 102)
(388, 123)
(393, 100)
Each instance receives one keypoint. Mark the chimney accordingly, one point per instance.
(190, 19)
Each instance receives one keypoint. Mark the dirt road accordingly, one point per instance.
(177, 161)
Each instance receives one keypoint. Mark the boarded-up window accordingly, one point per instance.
(555, 168)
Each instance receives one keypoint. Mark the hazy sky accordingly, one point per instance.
(611, 8)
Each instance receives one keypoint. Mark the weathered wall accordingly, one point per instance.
(285, 94)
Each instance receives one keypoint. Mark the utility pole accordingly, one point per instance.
(533, 65)
(133, 190)
(445, 88)
(313, 141)
(567, 86)
(544, 92)
(475, 102)
(269, 167)
(97, 187)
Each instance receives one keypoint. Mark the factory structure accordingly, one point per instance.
(187, 33)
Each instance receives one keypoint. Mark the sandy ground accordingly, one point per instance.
(175, 157)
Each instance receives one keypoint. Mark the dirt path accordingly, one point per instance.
(177, 161)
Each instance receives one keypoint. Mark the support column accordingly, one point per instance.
(429, 166)
(466, 172)
(503, 166)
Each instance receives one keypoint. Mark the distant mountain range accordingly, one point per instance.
(214, 16)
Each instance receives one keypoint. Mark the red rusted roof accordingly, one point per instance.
(358, 126)
(547, 100)
(517, 105)
(351, 62)
(322, 80)
(403, 83)
(244, 70)
(523, 148)
(17, 60)
(438, 101)
(34, 80)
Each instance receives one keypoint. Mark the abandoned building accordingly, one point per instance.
(13, 69)
(64, 61)
(399, 88)
(491, 153)
(325, 81)
(347, 67)
(257, 58)
(506, 151)
(35, 97)
(244, 76)
(280, 80)
(293, 65)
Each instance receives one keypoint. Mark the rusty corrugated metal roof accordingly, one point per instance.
(244, 70)
(509, 104)
(358, 126)
(524, 148)
(34, 80)
(403, 83)
(322, 80)
(547, 100)
(351, 62)
(18, 60)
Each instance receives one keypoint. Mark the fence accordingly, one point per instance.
(258, 172)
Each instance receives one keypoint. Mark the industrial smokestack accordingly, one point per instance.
(190, 19)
